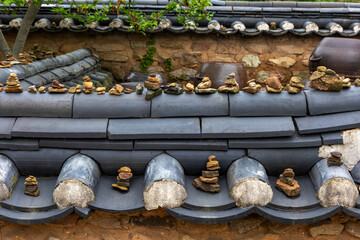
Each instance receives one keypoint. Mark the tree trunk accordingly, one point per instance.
(4, 47)
(24, 29)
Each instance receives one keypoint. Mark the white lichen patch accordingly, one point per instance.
(356, 28)
(239, 26)
(336, 28)
(115, 24)
(214, 25)
(287, 26)
(251, 191)
(66, 23)
(338, 191)
(4, 192)
(72, 193)
(164, 193)
(312, 27)
(15, 23)
(350, 150)
(263, 27)
(41, 24)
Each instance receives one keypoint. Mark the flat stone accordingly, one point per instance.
(246, 127)
(36, 105)
(100, 144)
(267, 104)
(290, 191)
(6, 125)
(325, 228)
(299, 159)
(285, 62)
(17, 144)
(208, 180)
(189, 144)
(207, 187)
(210, 174)
(251, 61)
(154, 128)
(60, 128)
(321, 102)
(194, 168)
(111, 160)
(332, 138)
(328, 123)
(151, 94)
(110, 106)
(295, 141)
(44, 162)
(190, 105)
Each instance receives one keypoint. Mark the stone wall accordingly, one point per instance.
(157, 224)
(120, 52)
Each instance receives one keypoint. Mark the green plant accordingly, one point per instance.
(168, 65)
(148, 58)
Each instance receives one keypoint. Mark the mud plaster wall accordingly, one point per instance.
(157, 224)
(120, 52)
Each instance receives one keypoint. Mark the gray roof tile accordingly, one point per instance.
(174, 144)
(6, 124)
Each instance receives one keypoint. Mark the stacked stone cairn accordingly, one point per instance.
(139, 89)
(173, 88)
(100, 90)
(287, 184)
(334, 159)
(76, 89)
(357, 82)
(1, 87)
(13, 84)
(127, 91)
(117, 90)
(88, 85)
(273, 85)
(324, 79)
(31, 187)
(42, 89)
(231, 85)
(123, 179)
(294, 85)
(189, 88)
(346, 83)
(57, 87)
(208, 182)
(153, 86)
(252, 87)
(205, 87)
(32, 89)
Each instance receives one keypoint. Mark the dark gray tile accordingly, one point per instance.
(297, 217)
(210, 217)
(332, 138)
(355, 173)
(110, 106)
(59, 128)
(24, 144)
(203, 201)
(111, 200)
(36, 105)
(246, 127)
(306, 200)
(190, 144)
(190, 105)
(111, 161)
(82, 212)
(148, 128)
(25, 203)
(320, 102)
(36, 80)
(328, 123)
(267, 104)
(194, 168)
(34, 218)
(295, 141)
(45, 162)
(6, 125)
(100, 144)
(276, 160)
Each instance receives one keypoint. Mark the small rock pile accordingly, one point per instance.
(357, 82)
(100, 90)
(153, 86)
(189, 88)
(294, 85)
(346, 83)
(127, 91)
(117, 90)
(273, 85)
(88, 85)
(287, 184)
(42, 89)
(173, 88)
(123, 179)
(13, 84)
(205, 87)
(231, 85)
(334, 159)
(252, 87)
(32, 89)
(208, 181)
(31, 187)
(324, 79)
(1, 87)
(76, 89)
(57, 87)
(139, 89)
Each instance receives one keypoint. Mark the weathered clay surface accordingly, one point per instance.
(251, 191)
(164, 193)
(72, 192)
(4, 192)
(350, 149)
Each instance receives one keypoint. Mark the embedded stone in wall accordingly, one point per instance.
(350, 149)
(353, 228)
(138, 44)
(114, 57)
(325, 228)
(290, 49)
(108, 47)
(259, 48)
(284, 62)
(187, 58)
(172, 45)
(186, 74)
(251, 61)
